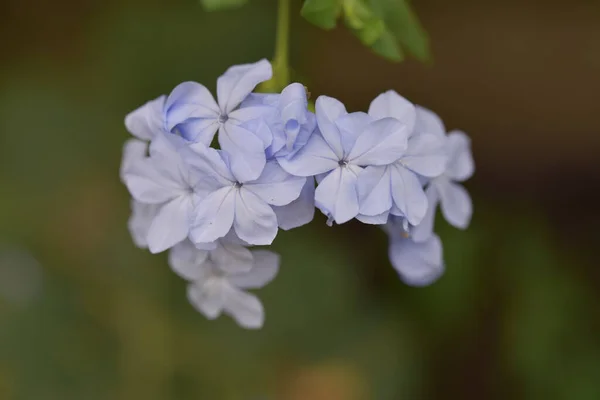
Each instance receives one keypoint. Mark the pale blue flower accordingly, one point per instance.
(455, 202)
(230, 200)
(397, 188)
(191, 111)
(166, 182)
(339, 149)
(147, 121)
(218, 279)
(417, 263)
(300, 211)
(140, 221)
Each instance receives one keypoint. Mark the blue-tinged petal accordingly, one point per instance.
(198, 130)
(191, 100)
(408, 194)
(351, 126)
(147, 184)
(255, 221)
(276, 186)
(429, 122)
(246, 151)
(460, 163)
(231, 257)
(133, 150)
(239, 81)
(245, 308)
(314, 158)
(261, 129)
(424, 230)
(148, 120)
(208, 162)
(391, 104)
(300, 211)
(381, 142)
(374, 188)
(336, 194)
(140, 221)
(418, 264)
(306, 130)
(293, 111)
(455, 202)
(426, 155)
(208, 296)
(264, 269)
(379, 219)
(328, 110)
(213, 216)
(261, 99)
(171, 224)
(189, 262)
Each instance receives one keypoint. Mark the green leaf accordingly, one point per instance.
(387, 46)
(322, 13)
(402, 21)
(215, 5)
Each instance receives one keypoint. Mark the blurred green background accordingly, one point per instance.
(86, 315)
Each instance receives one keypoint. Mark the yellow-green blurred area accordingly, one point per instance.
(86, 315)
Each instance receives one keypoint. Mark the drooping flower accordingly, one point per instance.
(417, 263)
(218, 279)
(191, 111)
(165, 182)
(228, 199)
(397, 188)
(339, 149)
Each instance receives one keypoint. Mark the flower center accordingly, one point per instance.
(342, 163)
(223, 118)
(238, 185)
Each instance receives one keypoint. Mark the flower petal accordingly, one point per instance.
(246, 151)
(213, 216)
(381, 142)
(455, 201)
(429, 122)
(146, 121)
(171, 224)
(328, 110)
(255, 221)
(336, 194)
(238, 81)
(351, 126)
(300, 211)
(418, 264)
(189, 262)
(374, 188)
(408, 194)
(275, 186)
(314, 158)
(460, 164)
(140, 221)
(264, 269)
(245, 308)
(391, 104)
(133, 150)
(426, 155)
(147, 184)
(379, 219)
(208, 164)
(424, 230)
(231, 258)
(208, 297)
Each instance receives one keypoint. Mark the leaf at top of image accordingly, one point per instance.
(216, 5)
(322, 13)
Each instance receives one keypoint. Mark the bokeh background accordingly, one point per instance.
(86, 315)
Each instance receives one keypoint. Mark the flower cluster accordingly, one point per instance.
(209, 206)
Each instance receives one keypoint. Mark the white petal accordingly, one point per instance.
(146, 121)
(213, 216)
(379, 219)
(408, 194)
(456, 203)
(300, 211)
(314, 158)
(382, 142)
(238, 81)
(171, 224)
(328, 110)
(336, 195)
(231, 257)
(276, 186)
(208, 297)
(188, 262)
(133, 150)
(426, 155)
(245, 308)
(264, 270)
(391, 104)
(429, 122)
(147, 184)
(140, 221)
(460, 163)
(255, 221)
(374, 188)
(419, 264)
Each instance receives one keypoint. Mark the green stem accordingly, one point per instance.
(281, 68)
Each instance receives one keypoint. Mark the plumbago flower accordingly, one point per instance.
(209, 206)
(338, 151)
